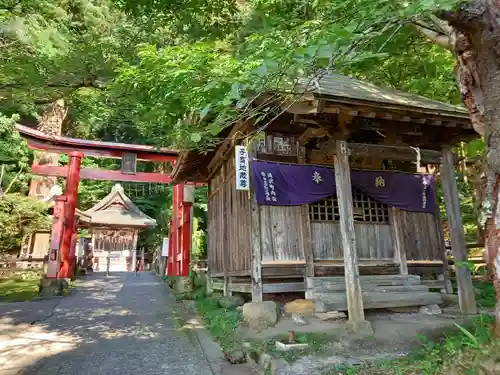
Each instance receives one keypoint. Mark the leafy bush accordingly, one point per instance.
(220, 323)
(464, 351)
(20, 216)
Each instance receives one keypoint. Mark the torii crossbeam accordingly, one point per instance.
(62, 258)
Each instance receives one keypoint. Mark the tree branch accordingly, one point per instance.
(438, 38)
(75, 86)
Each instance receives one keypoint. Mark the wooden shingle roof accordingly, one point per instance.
(116, 209)
(338, 87)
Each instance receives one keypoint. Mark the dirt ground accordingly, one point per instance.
(395, 335)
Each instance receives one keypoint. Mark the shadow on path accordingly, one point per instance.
(121, 324)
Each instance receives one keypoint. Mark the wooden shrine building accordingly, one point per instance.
(337, 191)
(115, 223)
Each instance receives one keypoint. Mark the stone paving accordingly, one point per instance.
(121, 324)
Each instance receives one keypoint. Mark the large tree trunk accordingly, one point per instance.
(477, 47)
(51, 123)
(41, 187)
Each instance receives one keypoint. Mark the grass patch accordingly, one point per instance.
(487, 296)
(316, 344)
(18, 289)
(462, 352)
(220, 323)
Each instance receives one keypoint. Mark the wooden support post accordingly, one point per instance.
(226, 250)
(399, 246)
(448, 288)
(306, 223)
(344, 197)
(466, 295)
(255, 233)
(142, 260)
(134, 261)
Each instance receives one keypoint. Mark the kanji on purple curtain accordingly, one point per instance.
(292, 185)
(407, 191)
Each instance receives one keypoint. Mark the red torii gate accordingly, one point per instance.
(64, 224)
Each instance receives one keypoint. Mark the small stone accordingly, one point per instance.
(431, 310)
(301, 306)
(236, 356)
(260, 315)
(340, 345)
(320, 306)
(239, 308)
(265, 360)
(246, 345)
(299, 319)
(331, 316)
(231, 302)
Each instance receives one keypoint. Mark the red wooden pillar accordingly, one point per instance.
(56, 236)
(185, 230)
(72, 250)
(176, 221)
(170, 268)
(71, 193)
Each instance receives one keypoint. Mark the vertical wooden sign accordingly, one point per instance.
(242, 169)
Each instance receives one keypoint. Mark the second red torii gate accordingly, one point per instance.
(64, 227)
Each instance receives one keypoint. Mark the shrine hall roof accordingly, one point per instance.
(330, 88)
(116, 209)
(338, 86)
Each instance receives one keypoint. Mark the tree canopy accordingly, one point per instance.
(175, 73)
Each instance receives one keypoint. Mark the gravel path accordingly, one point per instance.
(121, 324)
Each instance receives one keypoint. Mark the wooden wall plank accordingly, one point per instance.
(266, 233)
(282, 233)
(373, 241)
(417, 246)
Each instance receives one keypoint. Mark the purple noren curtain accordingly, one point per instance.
(292, 185)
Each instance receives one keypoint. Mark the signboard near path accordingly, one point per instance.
(164, 247)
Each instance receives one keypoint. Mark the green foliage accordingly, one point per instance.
(19, 289)
(486, 297)
(176, 73)
(463, 351)
(19, 216)
(220, 323)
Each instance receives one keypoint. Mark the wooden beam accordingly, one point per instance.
(306, 224)
(399, 114)
(399, 247)
(101, 174)
(395, 153)
(344, 194)
(224, 149)
(255, 233)
(459, 246)
(99, 152)
(46, 142)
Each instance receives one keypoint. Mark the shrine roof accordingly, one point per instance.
(341, 87)
(116, 209)
(330, 92)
